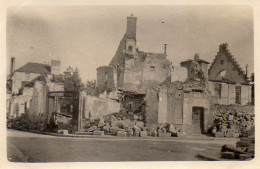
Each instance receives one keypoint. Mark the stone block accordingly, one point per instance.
(163, 134)
(106, 129)
(65, 132)
(140, 124)
(154, 133)
(137, 129)
(124, 125)
(181, 134)
(113, 129)
(98, 133)
(219, 134)
(121, 133)
(230, 117)
(235, 135)
(228, 155)
(244, 156)
(229, 134)
(101, 124)
(130, 132)
(242, 144)
(92, 128)
(143, 134)
(136, 134)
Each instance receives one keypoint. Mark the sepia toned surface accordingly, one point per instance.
(175, 103)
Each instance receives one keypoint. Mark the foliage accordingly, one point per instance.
(90, 87)
(72, 80)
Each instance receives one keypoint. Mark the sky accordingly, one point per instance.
(87, 37)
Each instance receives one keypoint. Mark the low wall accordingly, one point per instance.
(97, 106)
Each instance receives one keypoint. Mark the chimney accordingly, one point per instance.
(55, 67)
(223, 47)
(131, 27)
(246, 70)
(196, 56)
(165, 47)
(12, 65)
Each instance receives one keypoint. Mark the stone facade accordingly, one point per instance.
(224, 68)
(229, 82)
(133, 69)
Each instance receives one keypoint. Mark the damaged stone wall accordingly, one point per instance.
(133, 74)
(97, 107)
(156, 68)
(152, 105)
(224, 61)
(139, 71)
(225, 94)
(105, 79)
(196, 100)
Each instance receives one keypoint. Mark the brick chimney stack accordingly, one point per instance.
(196, 56)
(165, 48)
(131, 27)
(223, 47)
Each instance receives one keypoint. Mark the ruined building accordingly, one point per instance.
(141, 83)
(131, 69)
(30, 71)
(229, 83)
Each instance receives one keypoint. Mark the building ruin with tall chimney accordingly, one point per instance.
(142, 82)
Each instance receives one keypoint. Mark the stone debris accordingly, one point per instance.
(232, 120)
(98, 132)
(244, 150)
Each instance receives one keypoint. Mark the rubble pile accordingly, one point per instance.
(122, 124)
(233, 120)
(244, 150)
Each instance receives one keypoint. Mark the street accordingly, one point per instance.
(45, 148)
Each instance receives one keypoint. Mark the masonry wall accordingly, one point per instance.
(18, 77)
(232, 74)
(105, 79)
(156, 68)
(152, 105)
(196, 100)
(98, 106)
(162, 109)
(138, 72)
(133, 74)
(39, 99)
(228, 93)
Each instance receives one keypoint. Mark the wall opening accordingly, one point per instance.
(197, 120)
(238, 94)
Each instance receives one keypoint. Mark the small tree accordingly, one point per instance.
(90, 87)
(72, 80)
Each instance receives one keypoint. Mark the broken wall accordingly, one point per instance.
(152, 105)
(223, 63)
(227, 94)
(196, 100)
(105, 79)
(97, 106)
(133, 73)
(156, 68)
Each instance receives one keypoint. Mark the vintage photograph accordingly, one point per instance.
(130, 83)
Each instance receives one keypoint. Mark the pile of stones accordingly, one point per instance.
(244, 150)
(123, 125)
(233, 120)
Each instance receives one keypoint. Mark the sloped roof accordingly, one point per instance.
(31, 67)
(227, 53)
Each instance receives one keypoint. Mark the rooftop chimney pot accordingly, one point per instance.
(196, 56)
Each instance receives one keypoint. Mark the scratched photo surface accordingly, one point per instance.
(130, 83)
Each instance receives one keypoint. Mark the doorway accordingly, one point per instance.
(197, 120)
